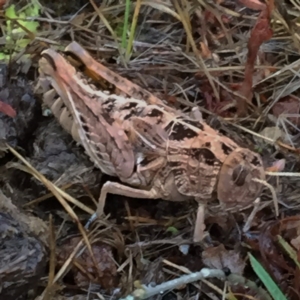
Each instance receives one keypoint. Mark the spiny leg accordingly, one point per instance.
(199, 224)
(122, 190)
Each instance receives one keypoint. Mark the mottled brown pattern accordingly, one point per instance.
(158, 151)
(97, 70)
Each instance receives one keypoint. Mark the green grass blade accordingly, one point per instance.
(289, 250)
(271, 286)
(125, 27)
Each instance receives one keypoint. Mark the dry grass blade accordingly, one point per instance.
(45, 197)
(187, 26)
(66, 266)
(52, 262)
(269, 140)
(163, 8)
(106, 23)
(60, 196)
(184, 54)
(63, 195)
(275, 200)
(55, 190)
(132, 29)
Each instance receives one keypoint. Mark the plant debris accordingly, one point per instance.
(237, 62)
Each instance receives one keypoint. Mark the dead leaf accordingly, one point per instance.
(272, 256)
(219, 258)
(78, 20)
(83, 268)
(7, 109)
(288, 105)
(278, 166)
(271, 132)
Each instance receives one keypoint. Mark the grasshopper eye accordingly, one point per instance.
(236, 187)
(239, 175)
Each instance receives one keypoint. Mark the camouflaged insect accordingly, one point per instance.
(155, 150)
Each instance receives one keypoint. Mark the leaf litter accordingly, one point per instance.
(238, 61)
